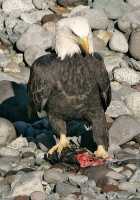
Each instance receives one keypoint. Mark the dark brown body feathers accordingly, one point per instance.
(76, 87)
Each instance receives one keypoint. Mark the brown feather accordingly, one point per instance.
(76, 87)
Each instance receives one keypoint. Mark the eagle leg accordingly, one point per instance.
(60, 126)
(63, 143)
(100, 132)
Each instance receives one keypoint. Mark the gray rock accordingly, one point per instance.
(4, 60)
(13, 37)
(132, 19)
(127, 75)
(12, 67)
(28, 162)
(115, 175)
(65, 189)
(103, 35)
(36, 36)
(113, 8)
(101, 197)
(127, 173)
(48, 188)
(128, 186)
(70, 197)
(121, 91)
(7, 133)
(124, 63)
(112, 60)
(1, 2)
(43, 4)
(115, 95)
(134, 64)
(123, 195)
(118, 42)
(4, 190)
(19, 143)
(124, 25)
(33, 146)
(97, 18)
(111, 181)
(39, 155)
(45, 166)
(9, 152)
(134, 44)
(54, 196)
(91, 183)
(54, 175)
(99, 44)
(117, 169)
(134, 3)
(39, 4)
(4, 37)
(78, 10)
(5, 165)
(86, 197)
(10, 6)
(133, 103)
(20, 27)
(32, 53)
(38, 196)
(50, 26)
(34, 17)
(21, 77)
(86, 189)
(117, 108)
(131, 166)
(28, 152)
(10, 22)
(110, 196)
(77, 179)
(131, 151)
(26, 183)
(136, 177)
(2, 18)
(137, 139)
(123, 129)
(1, 179)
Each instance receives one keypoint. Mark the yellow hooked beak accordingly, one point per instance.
(84, 44)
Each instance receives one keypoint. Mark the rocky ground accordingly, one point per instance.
(27, 30)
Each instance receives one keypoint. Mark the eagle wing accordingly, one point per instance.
(103, 82)
(40, 86)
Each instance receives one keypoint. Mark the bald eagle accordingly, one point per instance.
(72, 83)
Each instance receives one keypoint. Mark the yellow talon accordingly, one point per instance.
(63, 143)
(101, 152)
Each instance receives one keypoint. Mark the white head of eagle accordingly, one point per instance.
(72, 35)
